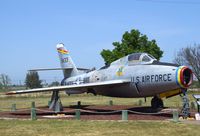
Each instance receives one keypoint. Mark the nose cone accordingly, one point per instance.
(184, 76)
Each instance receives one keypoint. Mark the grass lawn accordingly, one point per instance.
(24, 101)
(95, 128)
(90, 128)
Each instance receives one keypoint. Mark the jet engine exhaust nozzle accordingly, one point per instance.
(184, 76)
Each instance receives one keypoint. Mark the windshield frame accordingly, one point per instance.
(140, 59)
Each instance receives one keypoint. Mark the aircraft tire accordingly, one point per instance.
(156, 103)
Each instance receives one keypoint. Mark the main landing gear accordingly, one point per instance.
(56, 104)
(157, 103)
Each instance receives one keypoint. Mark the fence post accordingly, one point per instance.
(79, 104)
(49, 103)
(33, 111)
(13, 108)
(140, 102)
(33, 114)
(33, 105)
(175, 115)
(110, 103)
(124, 115)
(78, 114)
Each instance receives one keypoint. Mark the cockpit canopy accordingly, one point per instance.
(135, 59)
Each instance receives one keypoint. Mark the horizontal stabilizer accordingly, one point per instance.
(70, 87)
(47, 69)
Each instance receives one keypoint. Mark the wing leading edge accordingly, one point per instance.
(68, 87)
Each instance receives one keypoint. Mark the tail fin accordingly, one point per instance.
(69, 68)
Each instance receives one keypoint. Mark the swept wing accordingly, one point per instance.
(70, 87)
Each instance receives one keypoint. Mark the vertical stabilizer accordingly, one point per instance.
(69, 68)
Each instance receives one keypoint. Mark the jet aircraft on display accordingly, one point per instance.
(134, 76)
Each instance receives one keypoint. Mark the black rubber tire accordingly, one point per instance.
(156, 103)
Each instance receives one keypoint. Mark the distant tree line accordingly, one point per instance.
(5, 81)
(32, 80)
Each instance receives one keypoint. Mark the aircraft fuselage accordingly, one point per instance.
(145, 80)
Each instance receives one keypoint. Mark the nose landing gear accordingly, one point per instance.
(186, 105)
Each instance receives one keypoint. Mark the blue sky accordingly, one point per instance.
(30, 30)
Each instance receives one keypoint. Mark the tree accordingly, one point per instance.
(55, 83)
(1, 86)
(190, 56)
(4, 81)
(131, 42)
(32, 80)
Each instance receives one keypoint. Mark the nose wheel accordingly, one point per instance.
(156, 102)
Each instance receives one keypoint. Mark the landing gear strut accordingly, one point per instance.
(186, 105)
(56, 104)
(156, 102)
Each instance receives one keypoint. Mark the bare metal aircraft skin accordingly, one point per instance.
(135, 75)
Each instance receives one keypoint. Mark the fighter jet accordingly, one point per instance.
(134, 76)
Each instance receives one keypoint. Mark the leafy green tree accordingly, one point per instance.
(131, 42)
(32, 80)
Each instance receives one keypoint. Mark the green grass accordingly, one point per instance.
(95, 128)
(24, 101)
(90, 128)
